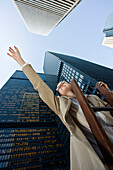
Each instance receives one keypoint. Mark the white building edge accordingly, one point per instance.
(108, 30)
(42, 16)
(108, 41)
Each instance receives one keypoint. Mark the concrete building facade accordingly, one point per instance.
(41, 17)
(108, 30)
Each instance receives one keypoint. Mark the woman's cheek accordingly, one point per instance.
(63, 88)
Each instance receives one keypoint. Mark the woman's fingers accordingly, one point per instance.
(9, 54)
(101, 83)
(11, 50)
(14, 53)
(16, 48)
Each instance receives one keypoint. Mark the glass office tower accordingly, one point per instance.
(65, 67)
(29, 134)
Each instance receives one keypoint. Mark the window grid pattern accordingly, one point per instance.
(58, 7)
(65, 137)
(67, 71)
(23, 147)
(42, 16)
(86, 83)
(33, 109)
(34, 147)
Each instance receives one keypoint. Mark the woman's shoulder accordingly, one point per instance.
(96, 101)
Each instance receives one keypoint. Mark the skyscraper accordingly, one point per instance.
(65, 67)
(41, 17)
(30, 134)
(108, 30)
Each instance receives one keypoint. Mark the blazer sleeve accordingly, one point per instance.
(111, 92)
(45, 93)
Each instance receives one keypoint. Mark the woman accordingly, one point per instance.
(84, 152)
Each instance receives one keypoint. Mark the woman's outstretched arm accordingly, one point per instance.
(45, 92)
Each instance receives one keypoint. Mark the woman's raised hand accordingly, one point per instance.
(15, 54)
(101, 83)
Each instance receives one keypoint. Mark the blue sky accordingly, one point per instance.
(79, 34)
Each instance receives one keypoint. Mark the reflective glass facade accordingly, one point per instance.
(86, 73)
(64, 67)
(29, 133)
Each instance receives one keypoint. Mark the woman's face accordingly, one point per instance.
(64, 88)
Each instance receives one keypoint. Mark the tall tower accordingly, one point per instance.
(41, 16)
(65, 67)
(29, 133)
(108, 30)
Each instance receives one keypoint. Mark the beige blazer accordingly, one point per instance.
(82, 155)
